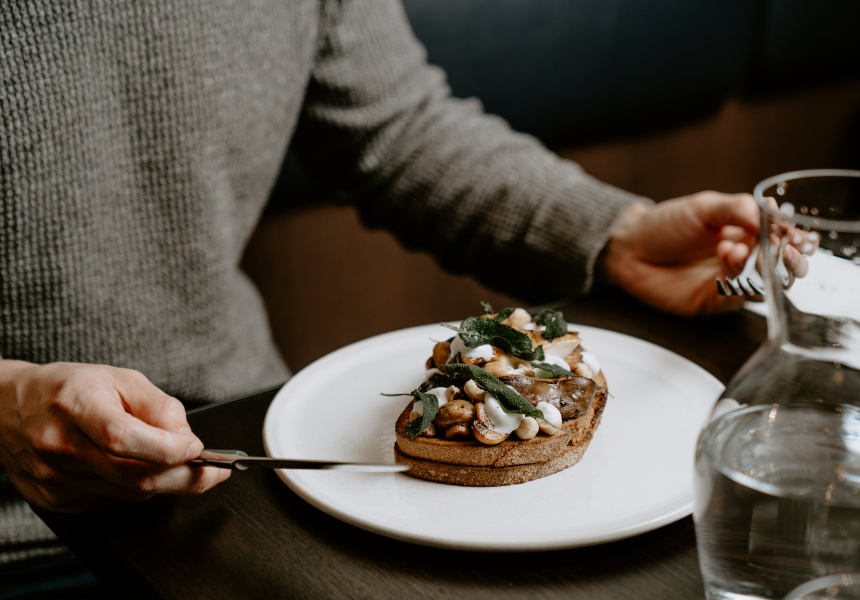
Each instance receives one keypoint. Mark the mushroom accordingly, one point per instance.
(561, 346)
(552, 421)
(441, 353)
(518, 318)
(549, 428)
(482, 428)
(473, 391)
(460, 431)
(451, 393)
(572, 396)
(454, 412)
(528, 428)
(573, 359)
(496, 368)
(584, 370)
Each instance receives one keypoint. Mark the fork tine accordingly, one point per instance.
(754, 288)
(734, 287)
(742, 285)
(747, 283)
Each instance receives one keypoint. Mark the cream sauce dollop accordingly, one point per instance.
(484, 352)
(502, 422)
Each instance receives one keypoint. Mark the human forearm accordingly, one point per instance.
(382, 129)
(75, 437)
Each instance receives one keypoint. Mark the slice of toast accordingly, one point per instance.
(470, 463)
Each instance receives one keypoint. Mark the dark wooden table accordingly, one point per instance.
(252, 537)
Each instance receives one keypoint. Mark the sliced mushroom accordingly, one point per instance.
(496, 368)
(562, 346)
(473, 391)
(573, 359)
(454, 412)
(518, 318)
(460, 431)
(451, 393)
(441, 353)
(548, 428)
(528, 428)
(482, 428)
(572, 396)
(551, 422)
(584, 370)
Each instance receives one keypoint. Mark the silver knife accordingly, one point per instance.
(239, 461)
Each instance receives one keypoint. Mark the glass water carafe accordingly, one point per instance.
(777, 503)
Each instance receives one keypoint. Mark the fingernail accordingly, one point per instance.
(194, 449)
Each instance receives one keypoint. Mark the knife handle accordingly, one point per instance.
(224, 459)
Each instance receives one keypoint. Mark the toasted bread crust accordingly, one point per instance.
(470, 463)
(486, 476)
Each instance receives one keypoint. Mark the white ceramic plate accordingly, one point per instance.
(636, 476)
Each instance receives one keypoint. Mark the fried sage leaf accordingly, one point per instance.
(430, 408)
(430, 405)
(510, 400)
(558, 372)
(477, 331)
(554, 369)
(434, 381)
(554, 321)
(504, 314)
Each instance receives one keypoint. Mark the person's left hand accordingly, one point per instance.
(669, 255)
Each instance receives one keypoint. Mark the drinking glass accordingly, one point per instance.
(777, 500)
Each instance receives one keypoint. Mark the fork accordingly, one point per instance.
(747, 283)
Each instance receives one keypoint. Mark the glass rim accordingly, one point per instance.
(812, 222)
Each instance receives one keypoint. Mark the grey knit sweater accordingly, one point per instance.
(139, 140)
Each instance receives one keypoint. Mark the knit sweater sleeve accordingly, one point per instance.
(381, 129)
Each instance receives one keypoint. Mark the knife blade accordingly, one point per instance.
(240, 461)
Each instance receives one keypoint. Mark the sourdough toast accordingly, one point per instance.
(481, 453)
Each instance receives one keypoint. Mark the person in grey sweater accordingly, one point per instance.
(139, 141)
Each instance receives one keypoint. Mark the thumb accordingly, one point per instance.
(148, 403)
(131, 418)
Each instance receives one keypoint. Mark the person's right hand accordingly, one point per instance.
(77, 437)
(669, 254)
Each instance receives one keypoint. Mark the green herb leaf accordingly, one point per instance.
(430, 406)
(554, 369)
(434, 381)
(554, 321)
(504, 314)
(477, 331)
(510, 400)
(487, 308)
